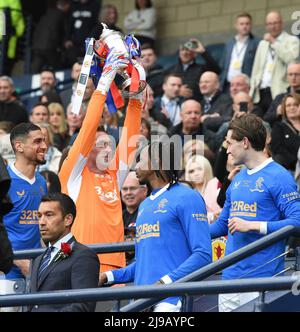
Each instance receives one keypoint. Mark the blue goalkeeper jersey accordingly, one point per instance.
(172, 238)
(269, 194)
(21, 222)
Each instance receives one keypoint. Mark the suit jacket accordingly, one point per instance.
(286, 50)
(79, 270)
(248, 58)
(221, 103)
(158, 116)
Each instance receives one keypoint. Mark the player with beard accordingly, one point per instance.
(172, 234)
(26, 191)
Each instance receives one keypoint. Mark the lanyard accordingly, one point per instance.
(238, 53)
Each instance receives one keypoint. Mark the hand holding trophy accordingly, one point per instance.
(112, 48)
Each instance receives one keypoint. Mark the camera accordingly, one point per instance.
(190, 45)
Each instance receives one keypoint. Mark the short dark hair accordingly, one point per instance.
(171, 75)
(252, 127)
(21, 131)
(49, 69)
(148, 4)
(244, 14)
(147, 46)
(66, 204)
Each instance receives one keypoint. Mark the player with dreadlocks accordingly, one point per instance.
(172, 234)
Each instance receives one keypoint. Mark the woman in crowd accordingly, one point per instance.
(198, 171)
(58, 125)
(285, 133)
(141, 22)
(53, 155)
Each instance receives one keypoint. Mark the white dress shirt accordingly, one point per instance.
(237, 57)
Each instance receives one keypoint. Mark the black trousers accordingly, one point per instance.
(265, 99)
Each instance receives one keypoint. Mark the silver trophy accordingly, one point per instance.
(126, 47)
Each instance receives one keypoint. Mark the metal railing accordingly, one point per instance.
(129, 292)
(203, 287)
(102, 248)
(223, 263)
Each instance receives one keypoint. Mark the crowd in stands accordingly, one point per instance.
(257, 74)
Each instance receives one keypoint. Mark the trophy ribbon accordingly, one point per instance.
(83, 78)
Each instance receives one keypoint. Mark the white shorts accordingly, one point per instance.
(168, 307)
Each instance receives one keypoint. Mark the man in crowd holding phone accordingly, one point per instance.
(242, 103)
(190, 70)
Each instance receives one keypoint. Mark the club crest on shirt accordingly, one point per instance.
(258, 185)
(161, 206)
(21, 193)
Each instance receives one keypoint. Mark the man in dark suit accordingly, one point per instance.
(239, 52)
(66, 264)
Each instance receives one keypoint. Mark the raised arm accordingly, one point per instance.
(77, 157)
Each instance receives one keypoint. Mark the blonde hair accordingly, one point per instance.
(63, 125)
(48, 127)
(207, 170)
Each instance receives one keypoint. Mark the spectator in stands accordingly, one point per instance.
(146, 129)
(215, 104)
(39, 113)
(47, 80)
(190, 123)
(154, 72)
(6, 149)
(239, 83)
(242, 103)
(293, 77)
(195, 147)
(108, 15)
(47, 41)
(47, 84)
(83, 19)
(11, 12)
(270, 192)
(285, 141)
(109, 123)
(133, 193)
(142, 22)
(66, 95)
(26, 190)
(52, 181)
(5, 127)
(10, 109)
(50, 96)
(190, 70)
(53, 155)
(78, 118)
(167, 108)
(239, 52)
(274, 53)
(74, 122)
(147, 111)
(198, 171)
(58, 124)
